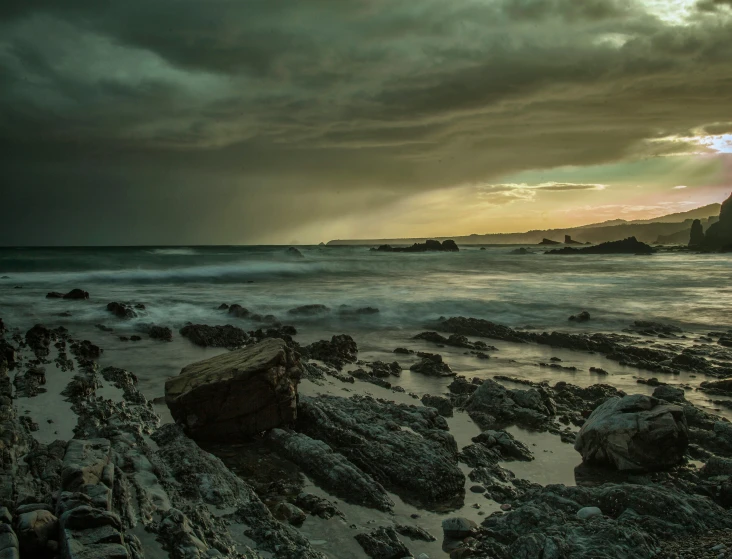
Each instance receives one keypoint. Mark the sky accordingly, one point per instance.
(274, 121)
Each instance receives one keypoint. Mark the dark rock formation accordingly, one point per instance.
(455, 340)
(504, 445)
(292, 252)
(237, 394)
(443, 405)
(309, 310)
(613, 346)
(494, 405)
(696, 235)
(427, 246)
(337, 352)
(382, 543)
(634, 433)
(670, 394)
(568, 241)
(73, 294)
(627, 246)
(546, 241)
(384, 370)
(215, 336)
(584, 316)
(238, 311)
(331, 470)
(77, 294)
(432, 365)
(635, 519)
(124, 310)
(649, 328)
(160, 333)
(419, 467)
(521, 251)
(345, 310)
(719, 234)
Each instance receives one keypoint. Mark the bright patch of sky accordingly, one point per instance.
(673, 11)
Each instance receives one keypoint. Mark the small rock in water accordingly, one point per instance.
(506, 507)
(588, 512)
(584, 316)
(477, 489)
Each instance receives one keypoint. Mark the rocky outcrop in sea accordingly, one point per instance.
(427, 246)
(631, 245)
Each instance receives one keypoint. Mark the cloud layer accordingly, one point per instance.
(159, 121)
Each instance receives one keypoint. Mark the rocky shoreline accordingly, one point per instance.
(338, 449)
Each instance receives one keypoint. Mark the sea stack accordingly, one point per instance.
(696, 237)
(719, 234)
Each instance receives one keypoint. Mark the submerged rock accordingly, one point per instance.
(238, 311)
(77, 294)
(237, 394)
(215, 336)
(584, 316)
(160, 333)
(122, 310)
(634, 433)
(292, 252)
(309, 310)
(73, 294)
(345, 310)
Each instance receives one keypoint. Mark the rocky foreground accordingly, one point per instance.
(656, 478)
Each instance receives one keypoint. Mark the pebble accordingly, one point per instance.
(505, 506)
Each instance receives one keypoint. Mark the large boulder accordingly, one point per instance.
(237, 394)
(634, 433)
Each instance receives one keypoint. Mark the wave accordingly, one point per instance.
(182, 251)
(233, 272)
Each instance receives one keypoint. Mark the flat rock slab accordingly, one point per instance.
(237, 394)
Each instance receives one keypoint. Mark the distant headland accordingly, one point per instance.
(668, 229)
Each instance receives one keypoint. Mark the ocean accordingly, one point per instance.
(181, 284)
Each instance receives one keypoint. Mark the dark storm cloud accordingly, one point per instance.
(206, 119)
(711, 5)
